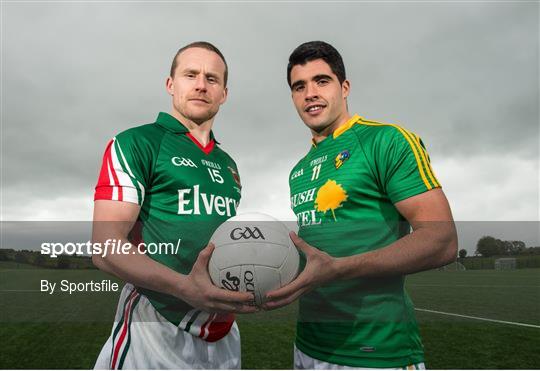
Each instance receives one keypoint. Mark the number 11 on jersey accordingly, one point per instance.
(316, 172)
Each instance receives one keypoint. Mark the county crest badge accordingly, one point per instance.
(341, 158)
(235, 175)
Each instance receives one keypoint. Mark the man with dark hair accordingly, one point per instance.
(169, 184)
(356, 195)
(311, 51)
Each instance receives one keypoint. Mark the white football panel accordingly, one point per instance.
(267, 279)
(249, 253)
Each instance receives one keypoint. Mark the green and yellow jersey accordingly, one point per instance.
(343, 194)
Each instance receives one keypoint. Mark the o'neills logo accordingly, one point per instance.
(230, 282)
(246, 233)
(199, 202)
(249, 284)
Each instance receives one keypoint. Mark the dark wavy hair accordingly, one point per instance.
(313, 50)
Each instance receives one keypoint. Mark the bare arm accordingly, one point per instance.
(114, 220)
(432, 243)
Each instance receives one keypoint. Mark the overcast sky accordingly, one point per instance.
(463, 76)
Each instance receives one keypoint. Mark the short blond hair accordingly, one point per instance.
(204, 45)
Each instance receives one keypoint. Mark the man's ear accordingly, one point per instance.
(169, 85)
(225, 94)
(345, 88)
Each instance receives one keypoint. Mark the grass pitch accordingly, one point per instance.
(39, 330)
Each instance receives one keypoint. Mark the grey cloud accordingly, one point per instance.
(463, 76)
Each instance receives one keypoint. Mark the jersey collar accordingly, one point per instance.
(343, 128)
(346, 126)
(171, 124)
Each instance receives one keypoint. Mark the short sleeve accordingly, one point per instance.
(405, 165)
(124, 171)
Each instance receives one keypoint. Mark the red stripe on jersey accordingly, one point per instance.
(115, 177)
(127, 312)
(103, 188)
(206, 149)
(220, 327)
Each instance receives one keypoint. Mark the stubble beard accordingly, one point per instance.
(321, 127)
(199, 119)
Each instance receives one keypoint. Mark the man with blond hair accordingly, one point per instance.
(170, 183)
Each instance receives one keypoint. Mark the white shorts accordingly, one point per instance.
(142, 338)
(304, 362)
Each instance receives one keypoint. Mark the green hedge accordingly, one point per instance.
(478, 262)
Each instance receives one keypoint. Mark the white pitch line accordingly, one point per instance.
(478, 318)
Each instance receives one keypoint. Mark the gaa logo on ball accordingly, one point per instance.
(246, 233)
(253, 253)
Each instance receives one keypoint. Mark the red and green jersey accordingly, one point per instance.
(185, 192)
(343, 194)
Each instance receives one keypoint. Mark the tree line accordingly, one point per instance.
(488, 246)
(44, 261)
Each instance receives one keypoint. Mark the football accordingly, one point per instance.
(253, 253)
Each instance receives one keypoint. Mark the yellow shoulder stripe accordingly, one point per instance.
(420, 155)
(346, 126)
(425, 157)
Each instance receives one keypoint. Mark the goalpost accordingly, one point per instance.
(505, 264)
